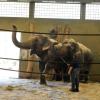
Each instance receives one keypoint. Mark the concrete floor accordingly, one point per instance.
(23, 89)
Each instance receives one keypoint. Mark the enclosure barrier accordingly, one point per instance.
(37, 72)
(24, 32)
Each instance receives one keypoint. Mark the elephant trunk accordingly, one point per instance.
(24, 45)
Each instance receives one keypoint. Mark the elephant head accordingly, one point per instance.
(71, 45)
(36, 43)
(65, 49)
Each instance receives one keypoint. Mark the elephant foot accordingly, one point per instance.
(66, 79)
(58, 78)
(43, 80)
(84, 79)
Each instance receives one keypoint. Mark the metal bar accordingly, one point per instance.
(73, 34)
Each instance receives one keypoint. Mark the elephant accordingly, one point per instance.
(64, 54)
(57, 55)
(70, 50)
(85, 56)
(39, 45)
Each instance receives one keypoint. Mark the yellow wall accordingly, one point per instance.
(45, 25)
(78, 27)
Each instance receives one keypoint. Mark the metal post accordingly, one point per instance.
(82, 11)
(31, 10)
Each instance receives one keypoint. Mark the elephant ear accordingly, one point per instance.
(48, 44)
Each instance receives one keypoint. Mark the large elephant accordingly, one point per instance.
(69, 50)
(39, 45)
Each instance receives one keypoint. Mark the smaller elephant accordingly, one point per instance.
(66, 51)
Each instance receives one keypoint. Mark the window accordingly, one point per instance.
(61, 11)
(93, 11)
(14, 9)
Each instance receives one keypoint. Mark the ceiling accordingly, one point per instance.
(58, 1)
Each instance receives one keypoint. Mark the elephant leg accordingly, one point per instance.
(66, 77)
(41, 66)
(87, 71)
(58, 75)
(86, 76)
(42, 79)
(43, 74)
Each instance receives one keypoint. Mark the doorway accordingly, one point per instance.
(8, 50)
